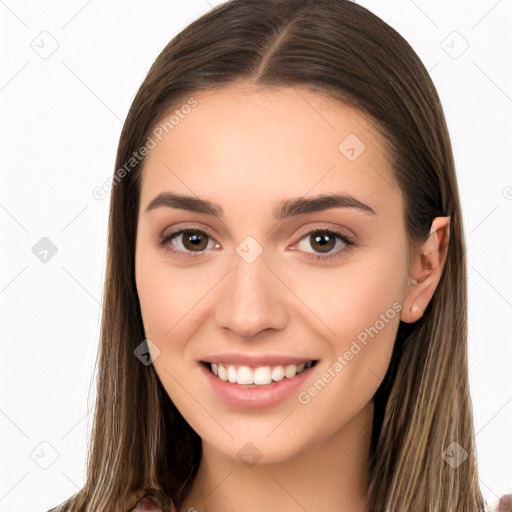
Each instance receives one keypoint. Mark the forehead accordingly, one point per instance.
(243, 144)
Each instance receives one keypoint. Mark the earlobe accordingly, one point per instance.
(426, 269)
(417, 299)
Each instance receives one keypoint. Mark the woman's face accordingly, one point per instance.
(250, 286)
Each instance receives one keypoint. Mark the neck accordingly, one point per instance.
(331, 475)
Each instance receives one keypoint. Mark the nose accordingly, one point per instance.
(251, 300)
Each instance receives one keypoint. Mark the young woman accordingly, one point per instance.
(285, 323)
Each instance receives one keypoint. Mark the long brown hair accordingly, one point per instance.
(140, 442)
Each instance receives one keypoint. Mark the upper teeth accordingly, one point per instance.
(260, 376)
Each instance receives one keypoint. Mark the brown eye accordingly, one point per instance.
(187, 242)
(324, 242)
(194, 240)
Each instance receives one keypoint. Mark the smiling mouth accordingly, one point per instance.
(257, 376)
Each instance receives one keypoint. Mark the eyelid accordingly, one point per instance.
(341, 233)
(188, 227)
(325, 226)
(165, 240)
(338, 232)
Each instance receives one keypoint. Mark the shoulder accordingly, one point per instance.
(146, 504)
(59, 508)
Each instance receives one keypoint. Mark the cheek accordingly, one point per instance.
(166, 299)
(173, 300)
(359, 307)
(157, 301)
(354, 295)
(370, 297)
(171, 312)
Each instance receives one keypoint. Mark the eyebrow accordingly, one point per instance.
(287, 208)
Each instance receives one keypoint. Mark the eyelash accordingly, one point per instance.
(347, 240)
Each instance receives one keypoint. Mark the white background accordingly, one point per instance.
(61, 118)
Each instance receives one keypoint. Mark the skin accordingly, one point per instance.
(248, 149)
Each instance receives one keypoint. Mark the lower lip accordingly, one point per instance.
(254, 397)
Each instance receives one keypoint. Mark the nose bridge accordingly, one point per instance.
(250, 299)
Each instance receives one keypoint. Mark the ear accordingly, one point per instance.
(426, 269)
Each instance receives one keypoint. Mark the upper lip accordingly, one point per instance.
(255, 359)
